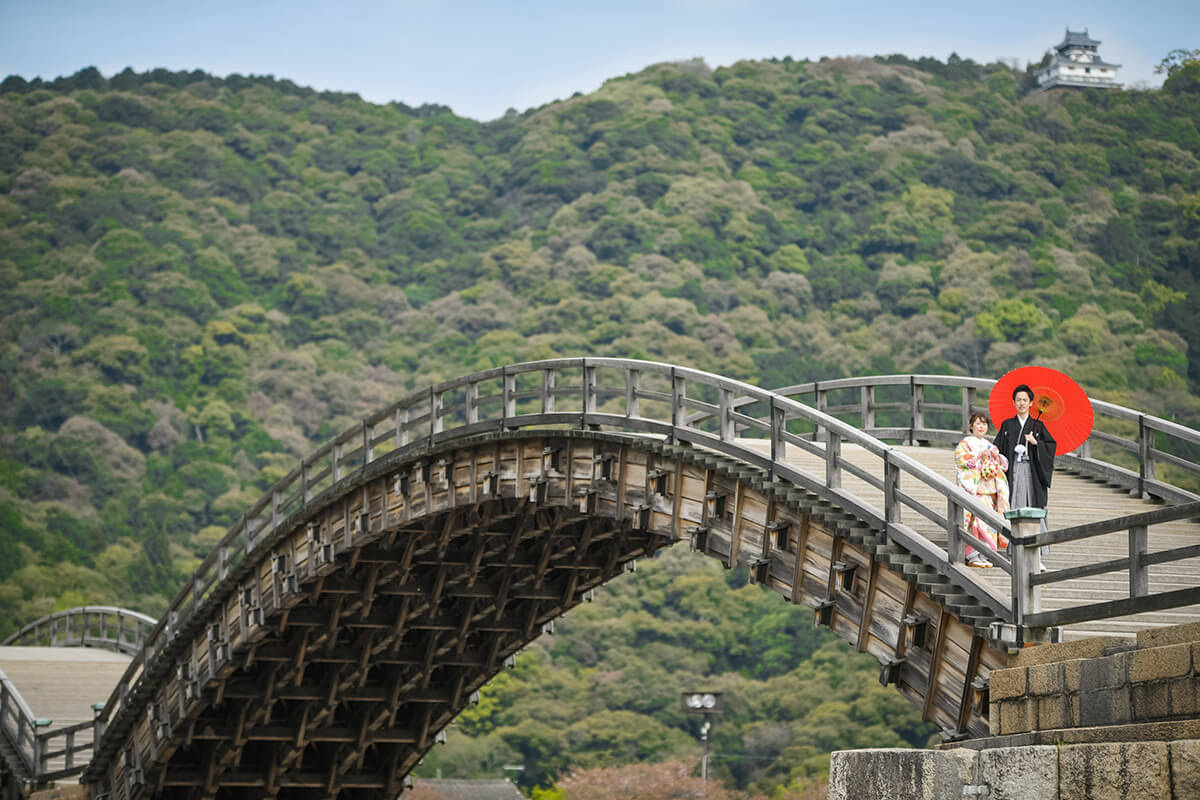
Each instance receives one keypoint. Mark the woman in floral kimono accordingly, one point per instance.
(980, 470)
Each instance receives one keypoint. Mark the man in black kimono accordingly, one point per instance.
(1029, 448)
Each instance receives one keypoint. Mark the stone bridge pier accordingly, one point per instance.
(1096, 719)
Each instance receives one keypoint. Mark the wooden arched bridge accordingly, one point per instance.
(334, 633)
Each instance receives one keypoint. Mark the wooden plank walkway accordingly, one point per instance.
(1074, 500)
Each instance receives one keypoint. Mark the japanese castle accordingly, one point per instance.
(1075, 62)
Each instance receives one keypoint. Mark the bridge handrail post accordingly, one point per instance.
(633, 384)
(1026, 562)
(549, 381)
(778, 443)
(968, 404)
(1145, 456)
(508, 398)
(99, 724)
(36, 744)
(955, 546)
(891, 485)
(401, 422)
(1139, 575)
(678, 401)
(822, 402)
(437, 422)
(472, 402)
(833, 460)
(918, 409)
(727, 428)
(867, 406)
(587, 390)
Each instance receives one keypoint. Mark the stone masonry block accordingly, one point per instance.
(66, 792)
(1093, 647)
(1103, 673)
(1183, 696)
(1157, 637)
(1104, 707)
(885, 774)
(1160, 663)
(1020, 773)
(1185, 768)
(1017, 716)
(1150, 701)
(1007, 683)
(1071, 675)
(1045, 679)
(1134, 771)
(1053, 712)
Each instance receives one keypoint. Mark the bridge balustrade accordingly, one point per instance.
(19, 727)
(108, 627)
(1142, 441)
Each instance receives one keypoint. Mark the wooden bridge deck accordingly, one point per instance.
(61, 684)
(1074, 500)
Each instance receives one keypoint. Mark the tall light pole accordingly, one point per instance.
(707, 704)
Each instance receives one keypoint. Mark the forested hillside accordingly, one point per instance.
(201, 278)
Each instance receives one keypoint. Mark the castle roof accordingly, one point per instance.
(1077, 39)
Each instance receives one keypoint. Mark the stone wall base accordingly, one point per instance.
(67, 791)
(1097, 771)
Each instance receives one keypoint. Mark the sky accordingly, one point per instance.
(481, 58)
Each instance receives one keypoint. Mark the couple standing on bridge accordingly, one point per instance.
(1013, 471)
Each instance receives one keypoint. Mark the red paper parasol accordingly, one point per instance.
(1058, 401)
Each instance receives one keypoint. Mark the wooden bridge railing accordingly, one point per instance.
(647, 398)
(107, 627)
(1136, 563)
(909, 413)
(19, 727)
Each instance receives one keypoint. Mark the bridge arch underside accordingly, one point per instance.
(330, 665)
